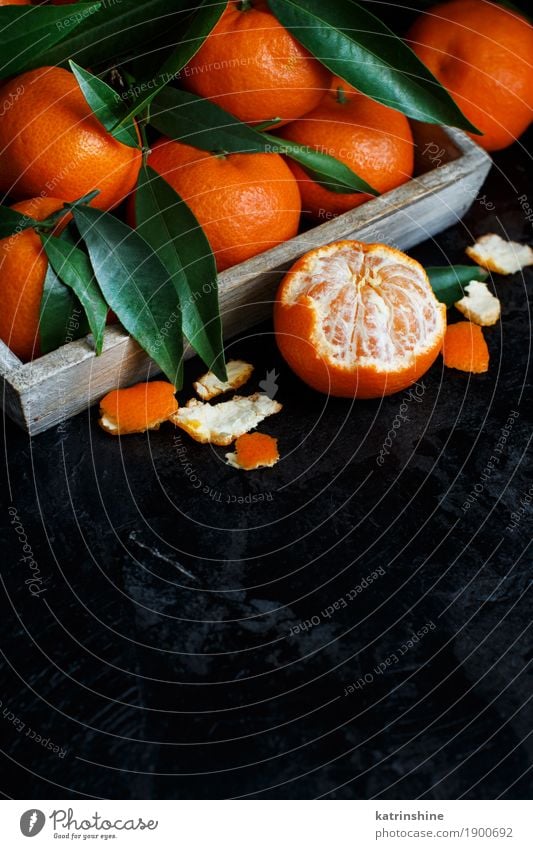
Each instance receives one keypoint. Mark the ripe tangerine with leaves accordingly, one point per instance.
(52, 143)
(482, 53)
(251, 66)
(372, 140)
(244, 202)
(24, 265)
(358, 321)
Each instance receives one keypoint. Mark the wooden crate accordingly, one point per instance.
(45, 392)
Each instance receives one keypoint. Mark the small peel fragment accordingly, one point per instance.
(222, 424)
(479, 304)
(208, 386)
(465, 348)
(499, 255)
(137, 409)
(254, 451)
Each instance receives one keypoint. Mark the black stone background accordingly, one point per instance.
(161, 685)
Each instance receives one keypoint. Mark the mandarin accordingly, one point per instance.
(481, 53)
(358, 321)
(372, 140)
(24, 265)
(252, 67)
(51, 143)
(245, 202)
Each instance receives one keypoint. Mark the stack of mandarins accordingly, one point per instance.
(53, 149)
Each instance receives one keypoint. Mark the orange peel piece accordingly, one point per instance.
(465, 348)
(137, 409)
(222, 424)
(499, 255)
(254, 451)
(208, 386)
(479, 305)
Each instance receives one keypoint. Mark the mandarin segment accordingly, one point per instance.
(254, 451)
(358, 320)
(465, 348)
(137, 409)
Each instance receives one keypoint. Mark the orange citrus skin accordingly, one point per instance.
(24, 267)
(51, 143)
(295, 326)
(465, 348)
(136, 409)
(482, 53)
(374, 141)
(245, 203)
(252, 67)
(15, 2)
(255, 449)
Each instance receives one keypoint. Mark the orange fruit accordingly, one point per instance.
(144, 406)
(372, 140)
(465, 349)
(52, 144)
(252, 67)
(357, 320)
(482, 53)
(245, 202)
(24, 265)
(15, 2)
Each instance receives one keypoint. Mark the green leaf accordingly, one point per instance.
(73, 268)
(353, 43)
(121, 27)
(191, 119)
(61, 315)
(106, 105)
(12, 222)
(325, 169)
(169, 226)
(27, 31)
(136, 286)
(206, 18)
(196, 121)
(447, 280)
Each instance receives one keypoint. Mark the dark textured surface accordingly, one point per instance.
(158, 683)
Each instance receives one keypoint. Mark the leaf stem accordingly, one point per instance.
(49, 223)
(266, 125)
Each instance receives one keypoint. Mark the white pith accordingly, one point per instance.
(208, 386)
(222, 424)
(371, 308)
(479, 304)
(500, 255)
